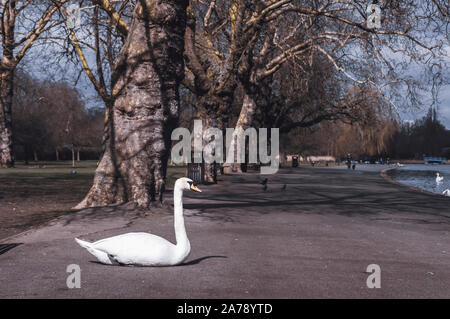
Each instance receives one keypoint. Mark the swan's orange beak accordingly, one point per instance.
(195, 188)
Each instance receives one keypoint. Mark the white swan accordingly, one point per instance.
(439, 178)
(446, 192)
(146, 249)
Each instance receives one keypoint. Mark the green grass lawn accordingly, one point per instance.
(53, 173)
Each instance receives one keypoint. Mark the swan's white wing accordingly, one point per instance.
(137, 248)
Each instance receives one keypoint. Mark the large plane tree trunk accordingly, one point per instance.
(145, 107)
(209, 169)
(6, 140)
(214, 112)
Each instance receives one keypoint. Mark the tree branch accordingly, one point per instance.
(36, 32)
(121, 26)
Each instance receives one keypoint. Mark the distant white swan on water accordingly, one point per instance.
(439, 178)
(446, 192)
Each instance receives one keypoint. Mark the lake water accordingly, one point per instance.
(423, 176)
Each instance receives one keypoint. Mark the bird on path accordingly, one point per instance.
(145, 249)
(264, 183)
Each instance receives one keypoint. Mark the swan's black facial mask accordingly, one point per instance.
(194, 188)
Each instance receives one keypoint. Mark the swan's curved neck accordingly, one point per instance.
(180, 230)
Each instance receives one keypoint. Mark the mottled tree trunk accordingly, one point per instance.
(6, 140)
(8, 65)
(145, 107)
(214, 112)
(244, 121)
(209, 169)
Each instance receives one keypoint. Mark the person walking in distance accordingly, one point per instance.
(349, 160)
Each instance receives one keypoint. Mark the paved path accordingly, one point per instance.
(312, 240)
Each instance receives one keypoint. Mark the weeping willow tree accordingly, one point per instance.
(364, 127)
(369, 140)
(370, 133)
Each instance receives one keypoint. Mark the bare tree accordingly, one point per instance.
(143, 103)
(49, 117)
(22, 23)
(412, 34)
(218, 36)
(94, 48)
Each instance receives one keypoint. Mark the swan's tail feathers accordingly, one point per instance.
(100, 255)
(83, 243)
